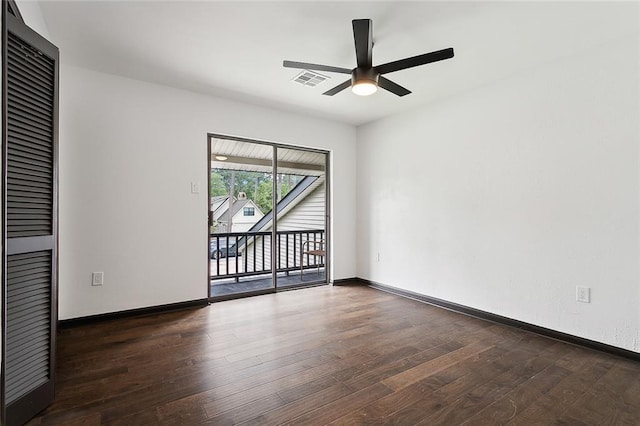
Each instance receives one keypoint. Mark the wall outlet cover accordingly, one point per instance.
(97, 278)
(583, 294)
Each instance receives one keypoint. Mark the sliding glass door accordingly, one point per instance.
(300, 222)
(267, 217)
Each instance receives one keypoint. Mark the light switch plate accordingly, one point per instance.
(195, 188)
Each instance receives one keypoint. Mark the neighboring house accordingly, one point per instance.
(219, 205)
(303, 209)
(244, 213)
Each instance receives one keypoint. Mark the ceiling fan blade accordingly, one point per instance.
(363, 38)
(415, 61)
(395, 88)
(339, 88)
(315, 67)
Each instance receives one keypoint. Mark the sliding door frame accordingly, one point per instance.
(274, 228)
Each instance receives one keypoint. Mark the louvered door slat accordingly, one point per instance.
(25, 96)
(34, 145)
(30, 323)
(29, 347)
(35, 269)
(17, 111)
(38, 64)
(29, 379)
(30, 148)
(29, 175)
(24, 124)
(24, 339)
(28, 138)
(18, 154)
(24, 116)
(22, 176)
(33, 174)
(23, 103)
(33, 358)
(27, 291)
(27, 310)
(29, 187)
(28, 86)
(29, 73)
(26, 272)
(25, 203)
(24, 213)
(28, 277)
(22, 166)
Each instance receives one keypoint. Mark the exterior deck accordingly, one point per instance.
(240, 262)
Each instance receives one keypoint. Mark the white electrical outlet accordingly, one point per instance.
(583, 294)
(97, 278)
(195, 188)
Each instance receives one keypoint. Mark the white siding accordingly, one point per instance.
(307, 215)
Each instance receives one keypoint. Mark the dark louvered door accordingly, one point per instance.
(30, 225)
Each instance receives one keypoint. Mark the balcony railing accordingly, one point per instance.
(244, 254)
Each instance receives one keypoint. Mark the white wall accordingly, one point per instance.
(32, 16)
(128, 152)
(524, 189)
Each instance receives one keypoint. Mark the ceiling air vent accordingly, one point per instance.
(309, 78)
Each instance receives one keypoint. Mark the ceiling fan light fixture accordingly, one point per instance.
(364, 87)
(364, 82)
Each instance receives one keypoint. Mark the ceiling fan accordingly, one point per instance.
(365, 78)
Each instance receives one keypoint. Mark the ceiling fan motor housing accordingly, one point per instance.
(360, 75)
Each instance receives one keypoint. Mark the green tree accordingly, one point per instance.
(247, 182)
(257, 185)
(264, 199)
(264, 196)
(216, 185)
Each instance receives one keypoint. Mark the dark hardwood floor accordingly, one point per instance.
(332, 355)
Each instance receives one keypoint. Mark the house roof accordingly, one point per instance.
(219, 204)
(239, 205)
(289, 201)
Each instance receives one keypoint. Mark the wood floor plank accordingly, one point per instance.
(345, 355)
(375, 375)
(338, 408)
(604, 402)
(301, 406)
(509, 406)
(426, 369)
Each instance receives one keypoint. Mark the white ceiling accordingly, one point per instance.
(235, 49)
